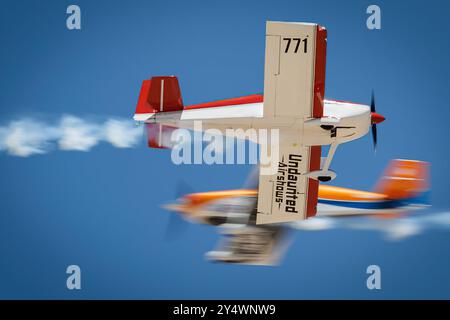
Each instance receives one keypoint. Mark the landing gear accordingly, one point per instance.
(325, 174)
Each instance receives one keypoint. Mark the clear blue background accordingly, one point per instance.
(100, 209)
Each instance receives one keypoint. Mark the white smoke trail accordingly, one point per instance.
(28, 137)
(392, 229)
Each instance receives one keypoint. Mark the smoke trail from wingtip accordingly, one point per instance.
(27, 137)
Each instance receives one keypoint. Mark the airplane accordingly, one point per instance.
(403, 187)
(293, 102)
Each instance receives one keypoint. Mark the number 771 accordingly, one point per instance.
(297, 45)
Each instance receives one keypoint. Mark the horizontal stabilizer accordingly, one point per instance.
(159, 136)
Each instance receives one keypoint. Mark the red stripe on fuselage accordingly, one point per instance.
(254, 98)
(251, 99)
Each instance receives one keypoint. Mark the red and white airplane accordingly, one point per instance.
(293, 103)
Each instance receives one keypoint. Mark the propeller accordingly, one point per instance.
(375, 119)
(252, 183)
(374, 125)
(177, 224)
(252, 180)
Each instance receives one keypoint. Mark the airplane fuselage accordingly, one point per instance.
(349, 121)
(217, 207)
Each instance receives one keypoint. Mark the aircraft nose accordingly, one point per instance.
(377, 118)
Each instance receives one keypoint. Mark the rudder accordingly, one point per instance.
(159, 94)
(404, 179)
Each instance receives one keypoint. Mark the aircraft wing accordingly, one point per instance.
(288, 195)
(294, 84)
(244, 242)
(294, 72)
(249, 244)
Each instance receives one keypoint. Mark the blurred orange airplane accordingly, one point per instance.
(403, 186)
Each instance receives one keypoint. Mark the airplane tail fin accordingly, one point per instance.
(406, 180)
(159, 94)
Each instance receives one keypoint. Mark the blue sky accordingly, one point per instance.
(100, 209)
